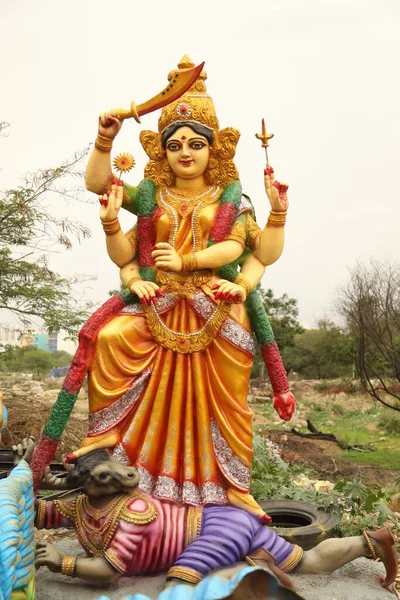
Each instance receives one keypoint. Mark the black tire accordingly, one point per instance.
(301, 523)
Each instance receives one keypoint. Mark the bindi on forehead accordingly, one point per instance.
(184, 138)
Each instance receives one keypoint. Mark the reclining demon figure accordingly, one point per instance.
(124, 531)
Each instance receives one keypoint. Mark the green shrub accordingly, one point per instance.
(338, 409)
(390, 424)
(359, 507)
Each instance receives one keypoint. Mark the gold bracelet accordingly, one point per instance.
(189, 262)
(40, 514)
(111, 227)
(184, 573)
(132, 280)
(370, 546)
(102, 143)
(68, 565)
(276, 218)
(244, 284)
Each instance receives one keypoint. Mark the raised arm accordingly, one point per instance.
(269, 243)
(98, 170)
(121, 248)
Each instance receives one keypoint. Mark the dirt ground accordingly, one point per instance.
(325, 458)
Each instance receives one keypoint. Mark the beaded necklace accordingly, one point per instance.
(184, 207)
(98, 538)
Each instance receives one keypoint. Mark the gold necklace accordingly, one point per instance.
(99, 513)
(185, 203)
(99, 538)
(180, 194)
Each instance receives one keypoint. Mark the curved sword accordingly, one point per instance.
(180, 81)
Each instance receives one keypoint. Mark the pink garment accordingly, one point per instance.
(134, 549)
(151, 548)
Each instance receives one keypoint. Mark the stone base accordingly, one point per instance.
(359, 580)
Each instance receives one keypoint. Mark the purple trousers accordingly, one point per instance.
(227, 535)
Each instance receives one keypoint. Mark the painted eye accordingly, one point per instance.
(103, 476)
(197, 145)
(173, 147)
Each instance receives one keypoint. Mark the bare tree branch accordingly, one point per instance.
(370, 303)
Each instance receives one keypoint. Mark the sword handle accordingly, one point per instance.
(123, 113)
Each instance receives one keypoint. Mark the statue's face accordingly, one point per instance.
(111, 477)
(187, 153)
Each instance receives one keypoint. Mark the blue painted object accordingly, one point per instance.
(17, 549)
(3, 419)
(216, 587)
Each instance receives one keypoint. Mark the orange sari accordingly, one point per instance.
(182, 419)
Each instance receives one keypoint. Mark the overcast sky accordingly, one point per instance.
(323, 73)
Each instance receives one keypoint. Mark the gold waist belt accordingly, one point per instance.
(186, 343)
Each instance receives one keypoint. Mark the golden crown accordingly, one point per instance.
(195, 106)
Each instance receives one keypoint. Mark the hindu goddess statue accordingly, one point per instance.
(169, 373)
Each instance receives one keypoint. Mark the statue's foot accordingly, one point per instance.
(381, 545)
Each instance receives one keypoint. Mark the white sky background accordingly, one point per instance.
(323, 73)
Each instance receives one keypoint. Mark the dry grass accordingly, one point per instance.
(27, 417)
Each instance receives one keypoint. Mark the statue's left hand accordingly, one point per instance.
(228, 291)
(276, 191)
(48, 556)
(166, 257)
(284, 404)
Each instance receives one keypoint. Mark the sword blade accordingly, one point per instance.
(180, 82)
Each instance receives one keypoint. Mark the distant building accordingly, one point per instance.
(9, 336)
(45, 341)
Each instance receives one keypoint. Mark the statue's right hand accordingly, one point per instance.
(109, 125)
(147, 291)
(111, 202)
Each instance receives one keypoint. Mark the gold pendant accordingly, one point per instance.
(185, 209)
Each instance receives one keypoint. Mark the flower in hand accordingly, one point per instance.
(228, 291)
(276, 191)
(166, 257)
(124, 162)
(111, 202)
(284, 404)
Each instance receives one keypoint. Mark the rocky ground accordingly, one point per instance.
(359, 580)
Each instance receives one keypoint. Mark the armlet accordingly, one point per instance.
(253, 231)
(237, 233)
